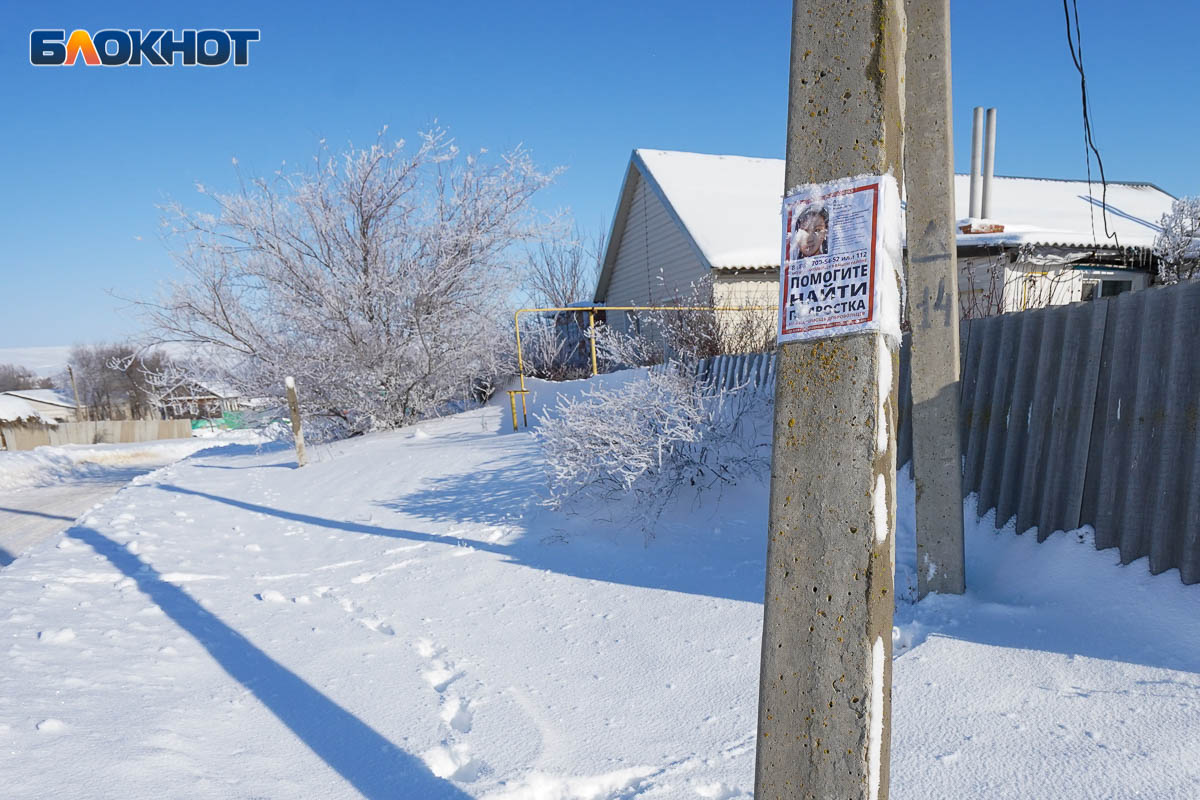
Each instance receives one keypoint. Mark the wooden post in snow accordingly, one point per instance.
(294, 407)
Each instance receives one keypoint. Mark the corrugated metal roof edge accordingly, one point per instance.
(1078, 180)
(969, 249)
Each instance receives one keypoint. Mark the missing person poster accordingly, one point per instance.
(840, 252)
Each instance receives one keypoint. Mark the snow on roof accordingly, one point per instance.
(14, 409)
(730, 206)
(222, 390)
(52, 397)
(1063, 212)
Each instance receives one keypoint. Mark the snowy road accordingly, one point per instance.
(42, 491)
(29, 516)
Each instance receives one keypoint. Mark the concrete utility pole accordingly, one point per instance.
(294, 407)
(825, 683)
(933, 299)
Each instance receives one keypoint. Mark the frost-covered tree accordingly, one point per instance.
(14, 376)
(379, 277)
(562, 271)
(1178, 246)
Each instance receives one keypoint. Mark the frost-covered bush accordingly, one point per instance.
(644, 442)
(378, 277)
(1178, 245)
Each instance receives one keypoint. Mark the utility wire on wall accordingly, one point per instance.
(1075, 44)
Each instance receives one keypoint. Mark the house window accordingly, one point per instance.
(1114, 288)
(1095, 289)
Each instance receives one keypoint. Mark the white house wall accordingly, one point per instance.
(756, 290)
(655, 262)
(51, 411)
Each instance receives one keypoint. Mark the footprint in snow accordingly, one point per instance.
(440, 675)
(379, 626)
(456, 713)
(452, 759)
(453, 762)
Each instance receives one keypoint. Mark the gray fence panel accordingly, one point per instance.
(999, 405)
(1146, 436)
(1106, 454)
(1037, 465)
(1015, 437)
(1189, 548)
(1174, 416)
(1075, 402)
(968, 388)
(978, 415)
(1164, 440)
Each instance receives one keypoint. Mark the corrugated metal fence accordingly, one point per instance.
(1087, 414)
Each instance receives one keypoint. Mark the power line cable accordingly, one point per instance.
(1075, 44)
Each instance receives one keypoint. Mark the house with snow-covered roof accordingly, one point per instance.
(50, 404)
(683, 217)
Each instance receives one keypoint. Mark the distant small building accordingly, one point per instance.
(682, 217)
(51, 404)
(202, 401)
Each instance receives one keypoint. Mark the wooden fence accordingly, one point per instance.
(28, 436)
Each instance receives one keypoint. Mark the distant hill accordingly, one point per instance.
(45, 361)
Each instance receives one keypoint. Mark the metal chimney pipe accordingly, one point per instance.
(989, 164)
(976, 158)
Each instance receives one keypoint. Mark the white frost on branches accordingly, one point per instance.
(379, 277)
(1178, 246)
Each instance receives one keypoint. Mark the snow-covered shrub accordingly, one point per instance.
(616, 350)
(644, 442)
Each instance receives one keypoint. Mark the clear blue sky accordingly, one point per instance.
(90, 152)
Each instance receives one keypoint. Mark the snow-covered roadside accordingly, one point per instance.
(400, 619)
(43, 490)
(43, 466)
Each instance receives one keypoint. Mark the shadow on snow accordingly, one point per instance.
(360, 754)
(725, 565)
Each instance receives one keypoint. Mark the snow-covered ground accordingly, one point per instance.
(400, 619)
